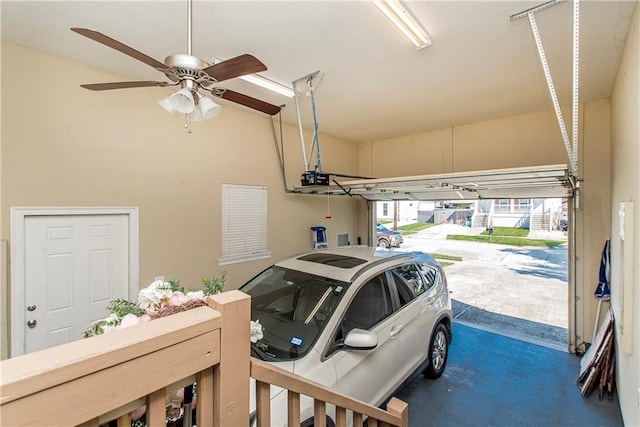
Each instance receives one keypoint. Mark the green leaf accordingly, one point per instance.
(121, 307)
(214, 285)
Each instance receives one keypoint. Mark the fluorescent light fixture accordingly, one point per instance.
(268, 84)
(405, 22)
(265, 83)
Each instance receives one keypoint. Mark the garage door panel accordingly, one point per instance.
(528, 182)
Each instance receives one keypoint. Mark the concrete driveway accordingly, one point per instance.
(520, 292)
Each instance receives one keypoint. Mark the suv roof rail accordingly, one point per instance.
(373, 264)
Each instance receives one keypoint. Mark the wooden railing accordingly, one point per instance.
(265, 374)
(93, 381)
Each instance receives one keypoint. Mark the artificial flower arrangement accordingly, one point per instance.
(161, 299)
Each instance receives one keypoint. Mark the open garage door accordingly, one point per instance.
(525, 182)
(541, 182)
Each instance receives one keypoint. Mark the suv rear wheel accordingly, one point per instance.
(438, 352)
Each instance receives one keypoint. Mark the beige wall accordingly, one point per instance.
(66, 146)
(625, 177)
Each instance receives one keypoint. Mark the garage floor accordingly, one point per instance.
(493, 380)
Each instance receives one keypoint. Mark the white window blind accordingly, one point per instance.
(244, 223)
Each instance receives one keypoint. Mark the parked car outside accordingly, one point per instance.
(388, 238)
(361, 321)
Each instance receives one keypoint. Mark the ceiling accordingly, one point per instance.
(375, 84)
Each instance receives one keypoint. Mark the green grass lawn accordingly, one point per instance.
(414, 228)
(501, 235)
(446, 257)
(507, 240)
(407, 229)
(508, 232)
(445, 260)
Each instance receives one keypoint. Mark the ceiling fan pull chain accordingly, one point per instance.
(187, 124)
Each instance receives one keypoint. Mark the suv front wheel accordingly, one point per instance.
(383, 243)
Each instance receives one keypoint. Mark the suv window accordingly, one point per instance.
(430, 274)
(411, 274)
(371, 305)
(405, 293)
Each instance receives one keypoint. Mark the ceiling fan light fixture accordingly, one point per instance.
(205, 109)
(182, 101)
(166, 104)
(402, 19)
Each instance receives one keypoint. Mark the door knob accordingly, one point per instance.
(31, 307)
(32, 323)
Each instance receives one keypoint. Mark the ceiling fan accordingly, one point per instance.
(191, 74)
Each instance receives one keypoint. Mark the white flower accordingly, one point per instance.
(196, 295)
(256, 331)
(154, 294)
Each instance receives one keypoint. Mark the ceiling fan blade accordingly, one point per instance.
(235, 67)
(247, 101)
(123, 85)
(121, 47)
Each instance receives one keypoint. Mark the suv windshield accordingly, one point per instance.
(293, 308)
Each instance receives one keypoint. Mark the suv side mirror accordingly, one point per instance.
(360, 339)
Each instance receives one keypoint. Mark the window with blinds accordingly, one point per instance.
(244, 223)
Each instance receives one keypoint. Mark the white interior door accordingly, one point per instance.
(73, 266)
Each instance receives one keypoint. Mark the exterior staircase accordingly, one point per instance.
(480, 220)
(540, 222)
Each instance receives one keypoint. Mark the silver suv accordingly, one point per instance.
(355, 319)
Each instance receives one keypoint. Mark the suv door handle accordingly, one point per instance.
(395, 330)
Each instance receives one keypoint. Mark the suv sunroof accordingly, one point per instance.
(340, 261)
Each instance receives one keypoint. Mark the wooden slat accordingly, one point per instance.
(319, 413)
(124, 420)
(357, 419)
(80, 400)
(30, 373)
(263, 404)
(205, 408)
(293, 408)
(268, 373)
(341, 417)
(156, 408)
